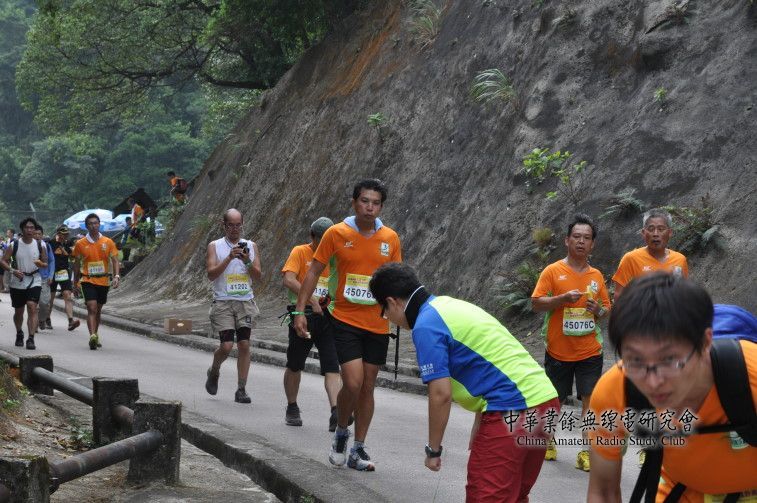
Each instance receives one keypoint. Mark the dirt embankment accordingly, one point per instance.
(586, 76)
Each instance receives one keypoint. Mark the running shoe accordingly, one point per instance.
(30, 343)
(337, 456)
(94, 342)
(211, 384)
(20, 338)
(582, 461)
(48, 324)
(73, 325)
(241, 396)
(551, 453)
(360, 460)
(292, 416)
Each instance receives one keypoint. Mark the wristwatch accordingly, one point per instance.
(430, 453)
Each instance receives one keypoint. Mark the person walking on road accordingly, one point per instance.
(657, 229)
(231, 265)
(95, 260)
(24, 258)
(319, 328)
(464, 354)
(357, 246)
(574, 297)
(47, 278)
(62, 250)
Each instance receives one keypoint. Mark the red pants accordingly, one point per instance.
(502, 467)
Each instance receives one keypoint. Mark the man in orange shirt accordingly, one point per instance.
(353, 250)
(574, 296)
(656, 256)
(294, 271)
(662, 328)
(95, 261)
(178, 187)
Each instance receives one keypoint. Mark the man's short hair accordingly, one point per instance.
(582, 218)
(26, 221)
(170, 173)
(369, 184)
(393, 279)
(39, 228)
(91, 215)
(661, 306)
(319, 226)
(657, 213)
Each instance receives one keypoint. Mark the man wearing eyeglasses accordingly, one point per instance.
(661, 327)
(574, 297)
(655, 256)
(231, 264)
(354, 249)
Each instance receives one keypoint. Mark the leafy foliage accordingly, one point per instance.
(81, 437)
(624, 204)
(695, 229)
(660, 94)
(515, 294)
(490, 85)
(425, 22)
(376, 120)
(92, 61)
(540, 164)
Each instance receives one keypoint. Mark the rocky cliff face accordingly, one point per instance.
(585, 76)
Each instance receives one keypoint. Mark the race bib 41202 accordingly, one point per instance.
(356, 289)
(237, 284)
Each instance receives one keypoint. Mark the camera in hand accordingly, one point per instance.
(243, 245)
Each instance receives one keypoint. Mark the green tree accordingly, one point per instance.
(90, 62)
(15, 19)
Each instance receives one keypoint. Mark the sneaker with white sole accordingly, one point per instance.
(338, 454)
(360, 460)
(292, 415)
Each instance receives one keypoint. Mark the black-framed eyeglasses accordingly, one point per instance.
(667, 368)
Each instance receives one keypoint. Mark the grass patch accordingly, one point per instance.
(425, 22)
(695, 229)
(492, 85)
(624, 204)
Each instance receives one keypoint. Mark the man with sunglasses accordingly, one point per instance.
(662, 328)
(231, 264)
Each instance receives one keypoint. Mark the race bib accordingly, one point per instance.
(96, 268)
(356, 289)
(61, 275)
(237, 284)
(577, 321)
(322, 288)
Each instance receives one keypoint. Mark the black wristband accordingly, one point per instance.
(430, 453)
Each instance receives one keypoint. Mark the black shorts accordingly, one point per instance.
(65, 286)
(320, 334)
(19, 296)
(95, 292)
(587, 372)
(353, 343)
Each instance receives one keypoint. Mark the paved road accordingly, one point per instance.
(395, 441)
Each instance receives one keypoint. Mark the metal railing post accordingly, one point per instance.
(27, 365)
(112, 416)
(163, 464)
(24, 479)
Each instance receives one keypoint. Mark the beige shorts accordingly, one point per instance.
(232, 314)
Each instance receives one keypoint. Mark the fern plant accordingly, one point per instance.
(624, 204)
(426, 21)
(695, 229)
(490, 85)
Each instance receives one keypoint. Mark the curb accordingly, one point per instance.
(287, 475)
(268, 352)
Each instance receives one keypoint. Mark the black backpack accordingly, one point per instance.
(732, 384)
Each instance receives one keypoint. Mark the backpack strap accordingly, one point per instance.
(645, 488)
(732, 383)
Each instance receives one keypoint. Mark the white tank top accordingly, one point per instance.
(25, 257)
(234, 283)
